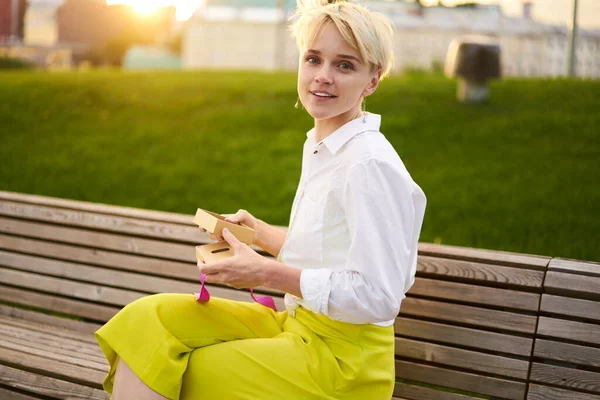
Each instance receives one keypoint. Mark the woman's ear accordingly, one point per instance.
(373, 83)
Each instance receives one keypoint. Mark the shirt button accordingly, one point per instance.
(315, 152)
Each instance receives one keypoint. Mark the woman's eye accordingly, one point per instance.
(346, 65)
(312, 59)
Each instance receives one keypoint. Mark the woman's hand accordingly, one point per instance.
(242, 216)
(246, 269)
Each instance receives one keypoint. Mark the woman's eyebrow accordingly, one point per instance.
(346, 56)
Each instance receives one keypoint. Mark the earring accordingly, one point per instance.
(298, 104)
(365, 110)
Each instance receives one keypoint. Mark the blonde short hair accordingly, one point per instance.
(371, 33)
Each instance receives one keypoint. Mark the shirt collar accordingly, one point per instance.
(339, 137)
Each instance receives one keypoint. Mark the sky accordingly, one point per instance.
(551, 11)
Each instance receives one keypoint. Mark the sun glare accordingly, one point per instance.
(185, 8)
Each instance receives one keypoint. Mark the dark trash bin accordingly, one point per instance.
(474, 60)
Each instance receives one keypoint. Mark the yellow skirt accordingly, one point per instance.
(226, 349)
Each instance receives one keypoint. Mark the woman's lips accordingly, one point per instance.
(322, 98)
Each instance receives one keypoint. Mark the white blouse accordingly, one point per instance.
(354, 226)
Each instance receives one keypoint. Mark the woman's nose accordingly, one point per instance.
(324, 76)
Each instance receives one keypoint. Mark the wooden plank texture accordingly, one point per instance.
(456, 335)
(571, 353)
(469, 382)
(52, 368)
(570, 330)
(565, 377)
(478, 272)
(575, 266)
(413, 392)
(475, 294)
(100, 240)
(460, 358)
(6, 394)
(568, 306)
(10, 315)
(539, 392)
(109, 223)
(572, 285)
(46, 386)
(486, 256)
(468, 315)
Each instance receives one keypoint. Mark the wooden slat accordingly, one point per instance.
(99, 208)
(109, 223)
(46, 386)
(52, 368)
(539, 392)
(94, 312)
(566, 377)
(11, 315)
(65, 287)
(573, 285)
(46, 328)
(45, 341)
(101, 276)
(456, 335)
(412, 392)
(486, 256)
(478, 272)
(570, 330)
(575, 266)
(570, 353)
(478, 295)
(6, 394)
(460, 358)
(52, 354)
(100, 240)
(473, 316)
(95, 256)
(570, 307)
(469, 382)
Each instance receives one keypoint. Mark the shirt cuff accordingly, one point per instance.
(315, 286)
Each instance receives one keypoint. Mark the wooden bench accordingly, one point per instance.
(465, 331)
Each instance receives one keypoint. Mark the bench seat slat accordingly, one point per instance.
(539, 392)
(52, 368)
(481, 339)
(6, 394)
(472, 316)
(413, 392)
(44, 340)
(64, 357)
(570, 330)
(36, 320)
(565, 377)
(571, 353)
(47, 386)
(460, 358)
(470, 382)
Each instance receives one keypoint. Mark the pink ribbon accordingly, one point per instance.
(204, 296)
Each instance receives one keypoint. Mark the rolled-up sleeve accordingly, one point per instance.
(378, 205)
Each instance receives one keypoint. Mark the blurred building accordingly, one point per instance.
(12, 24)
(245, 34)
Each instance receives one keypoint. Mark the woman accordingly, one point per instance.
(345, 263)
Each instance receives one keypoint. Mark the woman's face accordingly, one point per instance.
(332, 77)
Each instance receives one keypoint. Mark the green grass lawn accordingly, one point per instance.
(516, 174)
